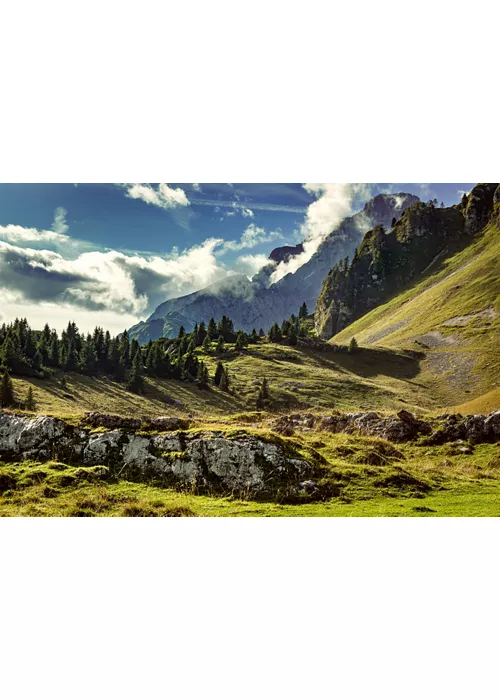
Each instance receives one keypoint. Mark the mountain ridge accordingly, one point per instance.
(259, 302)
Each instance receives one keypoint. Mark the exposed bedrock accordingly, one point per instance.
(206, 461)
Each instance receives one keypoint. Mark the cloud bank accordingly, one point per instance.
(333, 203)
(104, 281)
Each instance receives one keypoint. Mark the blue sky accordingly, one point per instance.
(107, 253)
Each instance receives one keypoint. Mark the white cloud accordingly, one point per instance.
(462, 192)
(12, 233)
(251, 264)
(110, 282)
(252, 236)
(256, 206)
(59, 225)
(196, 187)
(247, 213)
(163, 196)
(333, 203)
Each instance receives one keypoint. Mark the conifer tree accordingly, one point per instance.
(212, 329)
(353, 345)
(292, 336)
(260, 400)
(303, 311)
(136, 381)
(30, 400)
(202, 376)
(220, 345)
(207, 345)
(264, 389)
(240, 341)
(219, 371)
(6, 391)
(224, 380)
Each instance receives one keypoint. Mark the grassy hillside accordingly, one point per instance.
(311, 375)
(452, 317)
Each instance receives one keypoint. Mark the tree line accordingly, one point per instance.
(31, 353)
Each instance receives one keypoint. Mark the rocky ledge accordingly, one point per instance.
(204, 461)
(399, 428)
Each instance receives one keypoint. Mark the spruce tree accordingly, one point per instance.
(207, 345)
(224, 380)
(135, 381)
(219, 371)
(240, 341)
(220, 345)
(260, 400)
(7, 397)
(264, 389)
(353, 345)
(212, 329)
(202, 376)
(30, 400)
(303, 311)
(292, 336)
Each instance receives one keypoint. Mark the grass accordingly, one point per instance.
(302, 377)
(462, 358)
(371, 477)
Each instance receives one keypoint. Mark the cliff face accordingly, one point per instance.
(258, 303)
(386, 263)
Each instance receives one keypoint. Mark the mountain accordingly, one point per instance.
(431, 286)
(259, 302)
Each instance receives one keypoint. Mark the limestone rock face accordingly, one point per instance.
(388, 260)
(400, 428)
(207, 461)
(260, 302)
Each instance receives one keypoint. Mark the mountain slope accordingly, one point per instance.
(258, 303)
(450, 314)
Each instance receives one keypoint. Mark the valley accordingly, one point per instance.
(255, 410)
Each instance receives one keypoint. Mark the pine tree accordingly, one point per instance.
(353, 345)
(87, 358)
(220, 345)
(240, 341)
(264, 389)
(7, 397)
(260, 400)
(219, 371)
(136, 381)
(212, 329)
(274, 335)
(202, 376)
(54, 351)
(207, 345)
(224, 381)
(261, 333)
(30, 400)
(292, 336)
(303, 312)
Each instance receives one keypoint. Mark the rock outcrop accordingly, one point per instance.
(205, 461)
(399, 428)
(388, 260)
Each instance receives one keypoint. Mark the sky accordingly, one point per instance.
(108, 254)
